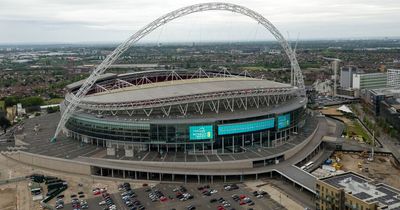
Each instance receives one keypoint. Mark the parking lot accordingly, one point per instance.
(199, 201)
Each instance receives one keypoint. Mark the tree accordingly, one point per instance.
(393, 133)
(11, 101)
(4, 123)
(32, 101)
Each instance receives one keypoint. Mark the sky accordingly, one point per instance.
(92, 21)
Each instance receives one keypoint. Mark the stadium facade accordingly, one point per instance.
(186, 111)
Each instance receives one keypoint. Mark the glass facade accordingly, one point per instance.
(101, 128)
(227, 134)
(245, 127)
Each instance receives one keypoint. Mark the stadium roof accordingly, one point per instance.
(99, 78)
(207, 117)
(180, 88)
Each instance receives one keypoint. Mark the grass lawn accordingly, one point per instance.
(54, 101)
(355, 128)
(2, 105)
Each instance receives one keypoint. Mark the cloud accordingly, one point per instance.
(105, 20)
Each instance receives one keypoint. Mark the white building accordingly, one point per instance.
(369, 80)
(393, 78)
(20, 111)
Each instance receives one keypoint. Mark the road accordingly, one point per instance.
(388, 143)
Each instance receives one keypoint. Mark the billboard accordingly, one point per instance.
(283, 121)
(201, 132)
(245, 127)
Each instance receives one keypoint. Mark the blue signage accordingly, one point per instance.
(283, 121)
(201, 132)
(258, 125)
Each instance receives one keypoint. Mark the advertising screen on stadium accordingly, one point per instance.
(245, 127)
(283, 121)
(201, 132)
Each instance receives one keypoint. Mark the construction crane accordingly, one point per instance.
(371, 157)
(335, 66)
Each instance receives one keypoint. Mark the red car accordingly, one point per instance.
(163, 199)
(220, 208)
(242, 203)
(242, 196)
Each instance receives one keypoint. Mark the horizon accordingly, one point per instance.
(72, 21)
(167, 43)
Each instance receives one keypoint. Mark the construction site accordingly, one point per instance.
(381, 168)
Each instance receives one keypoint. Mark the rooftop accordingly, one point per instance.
(363, 189)
(99, 78)
(387, 91)
(178, 88)
(371, 74)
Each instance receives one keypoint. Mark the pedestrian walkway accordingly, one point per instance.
(280, 197)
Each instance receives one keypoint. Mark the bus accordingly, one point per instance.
(307, 165)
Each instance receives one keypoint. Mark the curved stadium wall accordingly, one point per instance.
(241, 121)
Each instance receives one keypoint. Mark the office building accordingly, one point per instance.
(369, 80)
(373, 98)
(393, 78)
(346, 76)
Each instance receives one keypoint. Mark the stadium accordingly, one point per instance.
(184, 111)
(179, 124)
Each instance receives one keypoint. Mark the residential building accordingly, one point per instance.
(350, 191)
(393, 78)
(369, 80)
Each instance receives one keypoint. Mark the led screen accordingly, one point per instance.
(227, 129)
(283, 121)
(201, 132)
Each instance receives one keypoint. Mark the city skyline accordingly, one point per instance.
(71, 21)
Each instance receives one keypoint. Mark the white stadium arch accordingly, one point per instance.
(111, 58)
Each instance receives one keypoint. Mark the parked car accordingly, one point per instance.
(190, 207)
